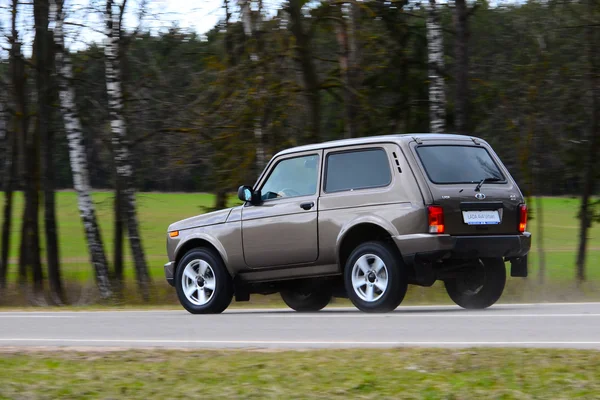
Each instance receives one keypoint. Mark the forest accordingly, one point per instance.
(172, 110)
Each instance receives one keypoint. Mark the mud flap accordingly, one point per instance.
(518, 267)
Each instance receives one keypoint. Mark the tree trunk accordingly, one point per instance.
(5, 154)
(347, 60)
(30, 234)
(78, 160)
(250, 30)
(435, 56)
(119, 140)
(538, 150)
(591, 162)
(231, 59)
(8, 168)
(461, 113)
(29, 257)
(354, 72)
(540, 239)
(17, 80)
(119, 229)
(44, 60)
(4, 137)
(10, 172)
(221, 200)
(246, 16)
(309, 72)
(118, 206)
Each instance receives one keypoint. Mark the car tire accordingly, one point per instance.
(202, 282)
(314, 300)
(375, 278)
(484, 291)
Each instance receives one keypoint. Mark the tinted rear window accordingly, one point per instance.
(357, 170)
(458, 164)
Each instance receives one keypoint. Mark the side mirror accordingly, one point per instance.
(245, 193)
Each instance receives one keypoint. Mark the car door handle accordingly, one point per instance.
(307, 206)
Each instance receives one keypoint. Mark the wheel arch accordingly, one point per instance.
(361, 231)
(200, 242)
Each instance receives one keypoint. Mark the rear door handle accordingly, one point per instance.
(307, 206)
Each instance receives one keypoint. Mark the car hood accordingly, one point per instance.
(211, 218)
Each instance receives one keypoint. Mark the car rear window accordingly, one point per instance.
(458, 164)
(361, 169)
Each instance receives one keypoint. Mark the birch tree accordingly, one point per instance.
(122, 155)
(77, 156)
(435, 57)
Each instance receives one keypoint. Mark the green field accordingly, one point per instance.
(325, 374)
(157, 210)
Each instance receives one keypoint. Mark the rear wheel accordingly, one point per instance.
(479, 286)
(306, 301)
(202, 282)
(375, 278)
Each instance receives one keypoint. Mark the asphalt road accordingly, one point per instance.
(521, 325)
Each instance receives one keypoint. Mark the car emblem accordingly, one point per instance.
(480, 196)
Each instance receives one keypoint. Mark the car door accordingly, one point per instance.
(282, 230)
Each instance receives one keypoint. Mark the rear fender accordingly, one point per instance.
(363, 219)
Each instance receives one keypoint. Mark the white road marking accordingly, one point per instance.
(36, 316)
(301, 342)
(430, 315)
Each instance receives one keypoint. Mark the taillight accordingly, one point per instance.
(522, 218)
(436, 219)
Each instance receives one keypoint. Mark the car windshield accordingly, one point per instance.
(459, 164)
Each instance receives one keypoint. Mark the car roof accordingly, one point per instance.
(375, 139)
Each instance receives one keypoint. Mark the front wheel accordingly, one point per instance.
(306, 302)
(375, 278)
(479, 286)
(202, 282)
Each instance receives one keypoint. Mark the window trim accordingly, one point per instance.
(355, 150)
(502, 182)
(291, 157)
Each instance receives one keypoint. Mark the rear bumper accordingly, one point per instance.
(169, 268)
(434, 247)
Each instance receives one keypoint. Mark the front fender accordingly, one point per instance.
(201, 236)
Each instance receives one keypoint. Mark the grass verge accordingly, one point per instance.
(518, 290)
(158, 210)
(326, 374)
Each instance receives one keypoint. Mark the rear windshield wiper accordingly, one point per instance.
(493, 179)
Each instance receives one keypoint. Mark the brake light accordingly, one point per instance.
(436, 219)
(522, 218)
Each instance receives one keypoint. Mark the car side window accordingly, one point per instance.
(292, 177)
(357, 169)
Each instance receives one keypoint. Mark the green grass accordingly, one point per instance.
(325, 374)
(560, 233)
(157, 210)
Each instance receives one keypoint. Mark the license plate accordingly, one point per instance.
(481, 217)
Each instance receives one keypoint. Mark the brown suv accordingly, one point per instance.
(362, 219)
